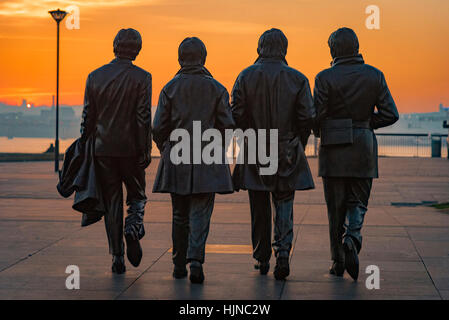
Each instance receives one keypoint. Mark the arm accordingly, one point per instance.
(305, 113)
(143, 117)
(238, 104)
(387, 113)
(89, 115)
(321, 102)
(224, 118)
(162, 121)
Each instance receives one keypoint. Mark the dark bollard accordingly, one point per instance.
(446, 126)
(436, 146)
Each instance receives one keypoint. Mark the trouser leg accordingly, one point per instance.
(283, 223)
(358, 193)
(335, 195)
(134, 178)
(201, 207)
(260, 224)
(180, 228)
(111, 183)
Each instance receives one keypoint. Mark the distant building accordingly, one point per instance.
(428, 122)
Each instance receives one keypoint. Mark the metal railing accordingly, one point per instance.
(397, 145)
(389, 145)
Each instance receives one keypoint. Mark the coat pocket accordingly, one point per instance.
(336, 132)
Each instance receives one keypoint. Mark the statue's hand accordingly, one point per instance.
(145, 159)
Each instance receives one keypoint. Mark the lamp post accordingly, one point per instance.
(58, 15)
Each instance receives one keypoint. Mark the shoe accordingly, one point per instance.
(351, 258)
(282, 268)
(196, 272)
(133, 250)
(179, 272)
(337, 269)
(118, 264)
(263, 267)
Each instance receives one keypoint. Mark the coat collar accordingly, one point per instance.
(195, 69)
(121, 61)
(270, 60)
(348, 60)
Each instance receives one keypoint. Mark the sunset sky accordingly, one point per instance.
(411, 47)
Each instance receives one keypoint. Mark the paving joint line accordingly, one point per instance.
(37, 251)
(294, 246)
(143, 272)
(420, 257)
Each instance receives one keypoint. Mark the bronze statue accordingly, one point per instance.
(271, 95)
(192, 95)
(117, 115)
(346, 96)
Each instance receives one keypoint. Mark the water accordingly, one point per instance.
(31, 145)
(37, 145)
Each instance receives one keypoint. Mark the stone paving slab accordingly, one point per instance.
(40, 235)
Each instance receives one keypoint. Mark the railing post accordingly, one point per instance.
(435, 145)
(417, 146)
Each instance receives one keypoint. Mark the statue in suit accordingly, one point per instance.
(271, 95)
(351, 99)
(193, 95)
(117, 115)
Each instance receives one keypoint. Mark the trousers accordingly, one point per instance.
(347, 203)
(260, 205)
(113, 173)
(190, 227)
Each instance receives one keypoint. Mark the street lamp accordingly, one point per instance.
(58, 15)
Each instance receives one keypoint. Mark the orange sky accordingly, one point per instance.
(411, 47)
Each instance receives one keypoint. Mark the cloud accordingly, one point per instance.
(40, 8)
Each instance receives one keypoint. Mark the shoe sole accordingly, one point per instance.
(133, 251)
(351, 262)
(281, 273)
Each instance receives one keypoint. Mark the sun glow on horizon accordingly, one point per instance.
(411, 47)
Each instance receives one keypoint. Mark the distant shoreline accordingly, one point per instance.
(25, 157)
(22, 157)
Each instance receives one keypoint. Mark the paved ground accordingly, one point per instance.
(40, 235)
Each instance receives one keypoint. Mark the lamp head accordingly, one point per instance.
(58, 15)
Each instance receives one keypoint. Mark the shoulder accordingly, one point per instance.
(323, 75)
(141, 73)
(249, 70)
(298, 75)
(99, 71)
(221, 88)
(169, 85)
(372, 70)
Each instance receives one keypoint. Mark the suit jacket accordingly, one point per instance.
(192, 95)
(117, 109)
(271, 95)
(353, 89)
(78, 175)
